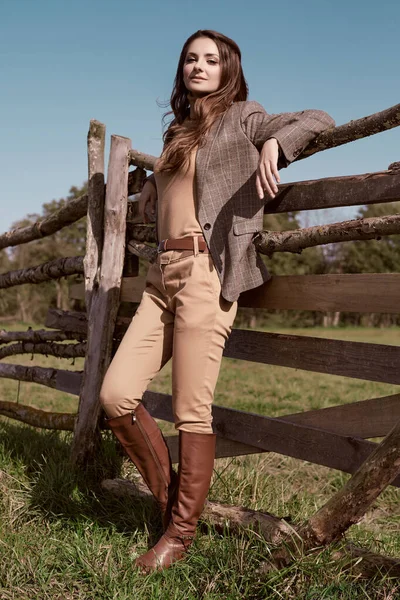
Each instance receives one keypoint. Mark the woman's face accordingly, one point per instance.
(202, 67)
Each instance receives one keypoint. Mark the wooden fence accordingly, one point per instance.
(336, 437)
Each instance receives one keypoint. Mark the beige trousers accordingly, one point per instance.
(182, 315)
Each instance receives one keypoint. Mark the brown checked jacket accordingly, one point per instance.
(229, 210)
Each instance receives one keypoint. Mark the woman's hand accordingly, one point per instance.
(267, 170)
(147, 202)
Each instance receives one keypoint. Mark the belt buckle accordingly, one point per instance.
(161, 247)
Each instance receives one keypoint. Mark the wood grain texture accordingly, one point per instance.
(364, 419)
(96, 196)
(350, 292)
(104, 304)
(350, 503)
(372, 362)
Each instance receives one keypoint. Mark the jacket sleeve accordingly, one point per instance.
(293, 131)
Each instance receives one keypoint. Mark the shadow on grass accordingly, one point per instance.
(58, 491)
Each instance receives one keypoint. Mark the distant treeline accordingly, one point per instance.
(29, 303)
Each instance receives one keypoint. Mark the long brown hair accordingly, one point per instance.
(180, 140)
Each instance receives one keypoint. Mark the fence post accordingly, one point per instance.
(104, 303)
(95, 212)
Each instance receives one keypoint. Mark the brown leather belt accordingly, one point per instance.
(182, 244)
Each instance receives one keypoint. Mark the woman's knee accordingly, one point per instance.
(114, 399)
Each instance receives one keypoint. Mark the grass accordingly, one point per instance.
(63, 537)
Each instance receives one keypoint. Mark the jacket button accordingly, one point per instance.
(207, 226)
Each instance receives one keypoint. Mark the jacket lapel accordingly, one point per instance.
(203, 156)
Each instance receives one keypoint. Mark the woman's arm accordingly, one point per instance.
(293, 131)
(148, 196)
(279, 139)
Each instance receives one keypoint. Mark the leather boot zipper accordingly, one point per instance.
(150, 446)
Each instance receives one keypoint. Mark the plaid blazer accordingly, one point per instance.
(228, 208)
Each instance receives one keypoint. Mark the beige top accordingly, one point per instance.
(177, 203)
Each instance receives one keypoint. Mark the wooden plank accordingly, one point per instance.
(68, 381)
(320, 447)
(361, 360)
(302, 292)
(364, 419)
(330, 192)
(131, 290)
(351, 293)
(104, 304)
(352, 190)
(225, 448)
(59, 379)
(367, 418)
(76, 322)
(96, 196)
(66, 320)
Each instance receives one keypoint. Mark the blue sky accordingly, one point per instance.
(65, 62)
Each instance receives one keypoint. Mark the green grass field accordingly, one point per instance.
(63, 537)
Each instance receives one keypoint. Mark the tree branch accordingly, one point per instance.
(38, 335)
(268, 242)
(71, 212)
(48, 349)
(54, 269)
(42, 375)
(348, 505)
(142, 250)
(355, 130)
(349, 132)
(37, 417)
(294, 240)
(270, 527)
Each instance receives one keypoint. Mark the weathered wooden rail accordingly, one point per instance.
(336, 437)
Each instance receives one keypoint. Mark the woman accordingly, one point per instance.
(221, 154)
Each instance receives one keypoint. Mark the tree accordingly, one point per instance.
(32, 301)
(372, 256)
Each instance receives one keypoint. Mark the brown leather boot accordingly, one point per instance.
(196, 461)
(145, 445)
